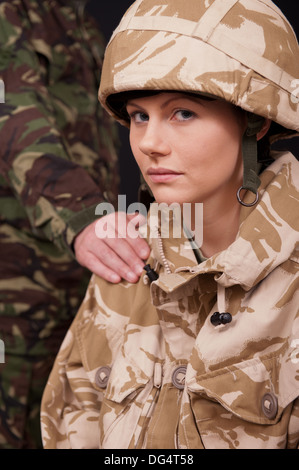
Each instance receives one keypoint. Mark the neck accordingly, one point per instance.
(213, 230)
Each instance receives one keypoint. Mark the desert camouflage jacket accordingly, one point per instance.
(143, 366)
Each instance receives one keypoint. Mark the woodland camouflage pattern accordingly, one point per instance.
(241, 384)
(57, 161)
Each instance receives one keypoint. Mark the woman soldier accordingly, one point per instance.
(203, 351)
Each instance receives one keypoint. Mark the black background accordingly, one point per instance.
(108, 15)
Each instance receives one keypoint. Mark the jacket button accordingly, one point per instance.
(269, 405)
(178, 377)
(102, 376)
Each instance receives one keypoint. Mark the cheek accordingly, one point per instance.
(135, 149)
(132, 141)
(226, 145)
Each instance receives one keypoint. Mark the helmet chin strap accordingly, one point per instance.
(251, 181)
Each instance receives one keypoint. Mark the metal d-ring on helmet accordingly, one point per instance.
(242, 51)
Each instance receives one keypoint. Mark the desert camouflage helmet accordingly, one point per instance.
(243, 51)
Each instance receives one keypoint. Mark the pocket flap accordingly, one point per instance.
(125, 379)
(248, 389)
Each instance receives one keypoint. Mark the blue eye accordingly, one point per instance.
(138, 116)
(183, 115)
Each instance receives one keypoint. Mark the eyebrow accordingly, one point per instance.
(173, 98)
(176, 98)
(131, 103)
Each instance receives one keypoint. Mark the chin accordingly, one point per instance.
(168, 201)
(162, 195)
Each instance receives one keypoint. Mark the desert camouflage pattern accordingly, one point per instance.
(58, 161)
(243, 51)
(142, 366)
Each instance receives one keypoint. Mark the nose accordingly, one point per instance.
(154, 140)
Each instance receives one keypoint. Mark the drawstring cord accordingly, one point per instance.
(221, 300)
(150, 272)
(161, 252)
(221, 317)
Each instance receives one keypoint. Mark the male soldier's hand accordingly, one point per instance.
(112, 248)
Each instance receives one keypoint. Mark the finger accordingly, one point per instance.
(120, 227)
(100, 269)
(138, 216)
(105, 261)
(122, 250)
(134, 231)
(119, 257)
(140, 247)
(111, 267)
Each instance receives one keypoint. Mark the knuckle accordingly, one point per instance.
(105, 253)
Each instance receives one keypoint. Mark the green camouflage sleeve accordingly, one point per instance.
(58, 145)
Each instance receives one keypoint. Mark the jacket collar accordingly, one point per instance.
(268, 236)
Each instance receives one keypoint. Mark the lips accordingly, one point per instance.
(161, 171)
(161, 175)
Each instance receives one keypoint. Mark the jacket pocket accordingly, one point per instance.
(246, 405)
(126, 400)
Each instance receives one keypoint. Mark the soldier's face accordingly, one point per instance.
(188, 149)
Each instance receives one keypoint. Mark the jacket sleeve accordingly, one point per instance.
(62, 404)
(71, 404)
(57, 193)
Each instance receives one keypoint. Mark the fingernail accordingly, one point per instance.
(139, 269)
(144, 254)
(132, 277)
(115, 278)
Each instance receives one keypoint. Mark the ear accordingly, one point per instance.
(264, 129)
